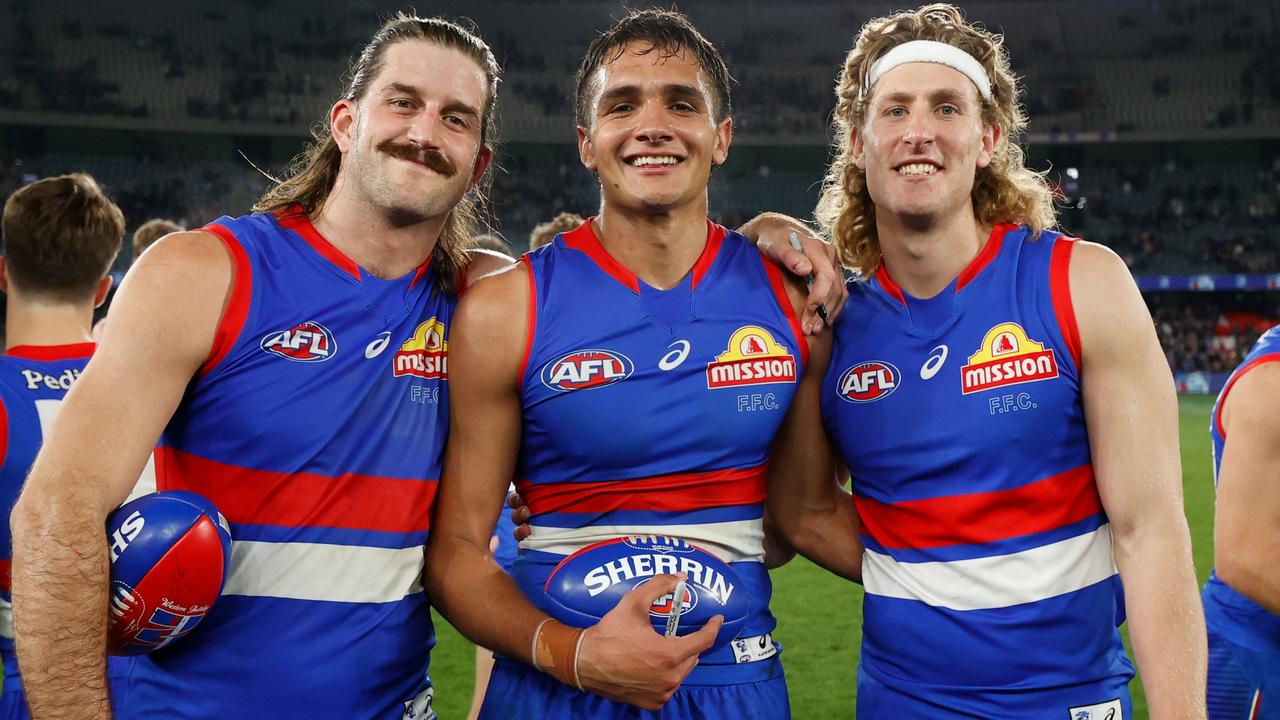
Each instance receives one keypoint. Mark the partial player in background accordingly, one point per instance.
(1005, 410)
(547, 231)
(61, 235)
(491, 242)
(631, 375)
(149, 232)
(1242, 596)
(292, 365)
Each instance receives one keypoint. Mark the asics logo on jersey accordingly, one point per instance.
(675, 358)
(1006, 357)
(375, 348)
(868, 382)
(586, 369)
(426, 354)
(304, 342)
(752, 357)
(934, 363)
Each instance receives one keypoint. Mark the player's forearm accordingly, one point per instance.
(479, 599)
(60, 578)
(830, 540)
(1166, 620)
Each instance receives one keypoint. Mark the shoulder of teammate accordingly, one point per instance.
(1251, 404)
(491, 325)
(481, 262)
(1110, 313)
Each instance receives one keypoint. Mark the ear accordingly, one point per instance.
(342, 120)
(724, 138)
(100, 293)
(586, 152)
(991, 135)
(4, 275)
(483, 158)
(859, 159)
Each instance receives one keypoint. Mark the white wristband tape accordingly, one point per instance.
(577, 677)
(533, 647)
(930, 51)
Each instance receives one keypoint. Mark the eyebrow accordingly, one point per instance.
(680, 90)
(936, 95)
(457, 106)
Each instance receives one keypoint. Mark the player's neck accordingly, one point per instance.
(43, 323)
(371, 237)
(924, 257)
(659, 248)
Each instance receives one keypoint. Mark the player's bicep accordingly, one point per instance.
(486, 348)
(162, 327)
(1248, 500)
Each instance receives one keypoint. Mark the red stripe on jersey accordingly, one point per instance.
(982, 517)
(4, 433)
(886, 282)
(715, 238)
(296, 220)
(6, 579)
(1060, 290)
(779, 285)
(678, 492)
(532, 323)
(1256, 706)
(232, 321)
(264, 497)
(985, 255)
(584, 240)
(1222, 399)
(50, 353)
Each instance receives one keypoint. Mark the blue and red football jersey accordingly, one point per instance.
(1234, 621)
(988, 568)
(33, 381)
(652, 411)
(317, 427)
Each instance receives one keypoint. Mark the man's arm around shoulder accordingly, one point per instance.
(162, 327)
(1132, 416)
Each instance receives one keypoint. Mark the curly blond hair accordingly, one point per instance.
(1004, 191)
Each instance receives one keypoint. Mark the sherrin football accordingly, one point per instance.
(589, 583)
(170, 554)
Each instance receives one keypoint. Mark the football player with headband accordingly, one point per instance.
(631, 375)
(1001, 400)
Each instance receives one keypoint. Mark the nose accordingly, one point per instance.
(920, 129)
(425, 130)
(651, 124)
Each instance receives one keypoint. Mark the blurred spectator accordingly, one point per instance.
(151, 231)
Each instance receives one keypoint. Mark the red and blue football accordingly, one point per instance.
(589, 583)
(170, 554)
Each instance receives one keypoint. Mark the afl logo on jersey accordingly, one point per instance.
(426, 354)
(1007, 357)
(586, 369)
(869, 381)
(752, 358)
(305, 342)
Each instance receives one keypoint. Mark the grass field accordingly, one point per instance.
(819, 615)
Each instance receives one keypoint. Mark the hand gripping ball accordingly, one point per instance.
(170, 555)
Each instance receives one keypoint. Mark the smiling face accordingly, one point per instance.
(923, 142)
(412, 145)
(653, 134)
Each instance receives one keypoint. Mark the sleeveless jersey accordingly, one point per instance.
(33, 381)
(1228, 613)
(652, 412)
(988, 562)
(317, 427)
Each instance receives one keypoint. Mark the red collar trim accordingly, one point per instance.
(583, 239)
(975, 267)
(296, 220)
(425, 266)
(48, 353)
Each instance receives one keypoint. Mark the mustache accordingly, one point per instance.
(430, 157)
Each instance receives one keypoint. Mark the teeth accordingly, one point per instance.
(918, 169)
(654, 160)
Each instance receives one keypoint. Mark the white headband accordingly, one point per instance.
(930, 51)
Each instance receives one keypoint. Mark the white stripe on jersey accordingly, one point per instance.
(998, 581)
(6, 620)
(734, 541)
(313, 571)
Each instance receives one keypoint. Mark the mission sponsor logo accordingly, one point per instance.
(586, 369)
(1007, 357)
(425, 355)
(869, 381)
(305, 342)
(753, 357)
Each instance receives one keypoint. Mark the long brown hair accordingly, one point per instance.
(314, 171)
(1004, 191)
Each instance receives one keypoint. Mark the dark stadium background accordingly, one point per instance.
(1158, 122)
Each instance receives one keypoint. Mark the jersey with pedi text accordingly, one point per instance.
(317, 428)
(1229, 613)
(988, 560)
(652, 411)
